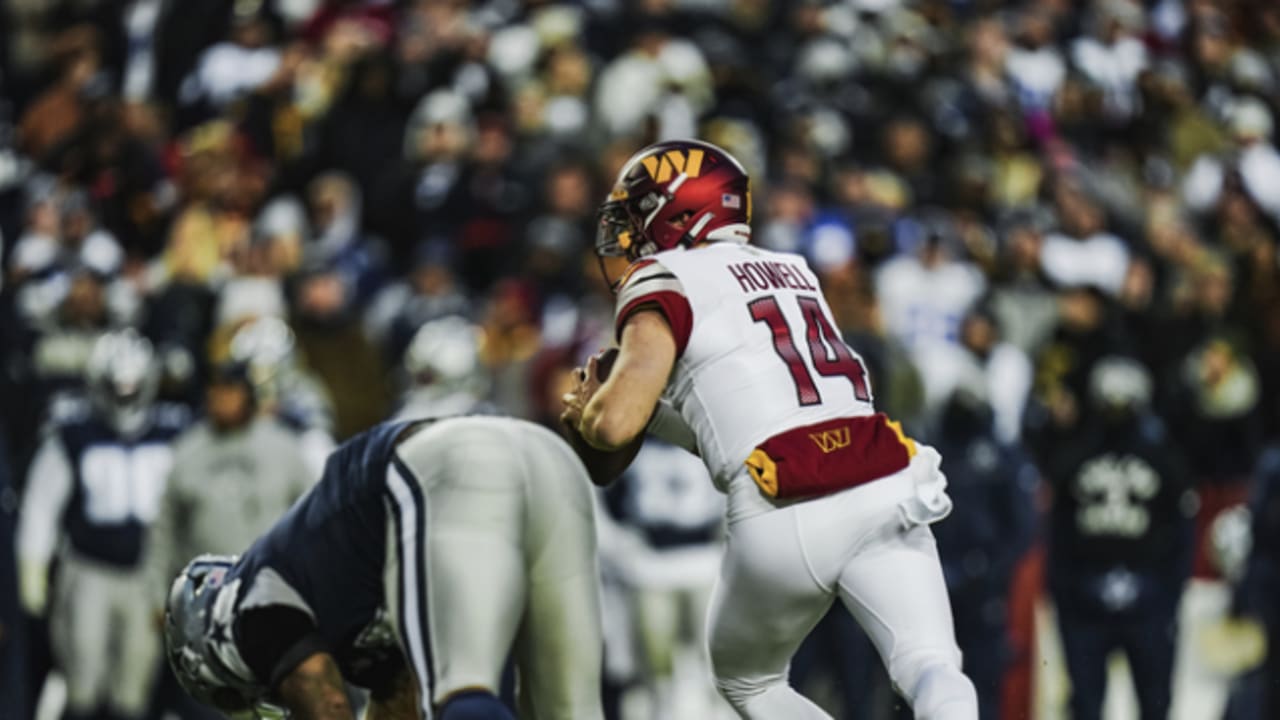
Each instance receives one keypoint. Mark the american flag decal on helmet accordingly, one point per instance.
(730, 200)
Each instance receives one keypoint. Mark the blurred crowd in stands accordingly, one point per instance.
(1049, 226)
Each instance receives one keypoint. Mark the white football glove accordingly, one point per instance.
(33, 586)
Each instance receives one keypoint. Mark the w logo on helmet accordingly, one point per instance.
(661, 166)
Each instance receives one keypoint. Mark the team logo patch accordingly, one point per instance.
(828, 441)
(731, 201)
(662, 167)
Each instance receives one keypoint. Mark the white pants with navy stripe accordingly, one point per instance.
(492, 549)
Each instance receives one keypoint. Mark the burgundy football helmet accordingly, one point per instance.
(675, 193)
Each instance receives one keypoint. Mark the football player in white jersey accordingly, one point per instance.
(731, 351)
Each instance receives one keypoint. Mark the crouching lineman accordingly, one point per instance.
(426, 554)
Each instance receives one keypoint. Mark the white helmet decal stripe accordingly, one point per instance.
(701, 222)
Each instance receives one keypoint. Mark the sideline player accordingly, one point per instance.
(93, 490)
(735, 346)
(428, 551)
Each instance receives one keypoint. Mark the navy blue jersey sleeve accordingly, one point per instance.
(275, 639)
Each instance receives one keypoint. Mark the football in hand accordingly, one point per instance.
(604, 466)
(604, 363)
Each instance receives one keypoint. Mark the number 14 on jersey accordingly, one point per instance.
(830, 356)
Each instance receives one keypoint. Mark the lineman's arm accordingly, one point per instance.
(49, 488)
(281, 645)
(399, 702)
(314, 690)
(617, 413)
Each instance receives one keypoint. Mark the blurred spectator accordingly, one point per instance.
(233, 473)
(329, 336)
(659, 539)
(339, 243)
(94, 488)
(421, 193)
(116, 156)
(1035, 63)
(1256, 593)
(1220, 431)
(925, 292)
(59, 110)
(283, 386)
(1250, 173)
(1022, 298)
(60, 235)
(908, 152)
(1082, 252)
(986, 79)
(660, 79)
(429, 291)
(1119, 544)
(895, 381)
(791, 210)
(211, 226)
(180, 39)
(230, 69)
(511, 340)
(62, 312)
(362, 133)
(1003, 372)
(1112, 54)
(557, 237)
(994, 481)
(1085, 333)
(555, 103)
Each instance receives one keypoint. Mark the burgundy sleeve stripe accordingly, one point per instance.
(673, 306)
(656, 276)
(633, 269)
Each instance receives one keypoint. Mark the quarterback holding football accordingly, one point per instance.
(730, 350)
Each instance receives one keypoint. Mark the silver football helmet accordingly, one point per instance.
(190, 636)
(446, 376)
(269, 348)
(123, 378)
(446, 352)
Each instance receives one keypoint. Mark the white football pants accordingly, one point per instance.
(104, 636)
(508, 560)
(872, 547)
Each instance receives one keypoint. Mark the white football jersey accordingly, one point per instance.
(759, 352)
